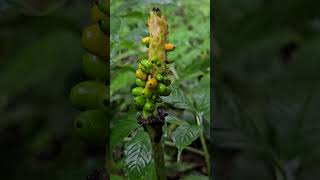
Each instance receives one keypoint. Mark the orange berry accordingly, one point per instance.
(169, 47)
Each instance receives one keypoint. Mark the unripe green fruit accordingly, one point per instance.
(146, 93)
(95, 41)
(89, 95)
(145, 41)
(139, 101)
(140, 82)
(145, 70)
(159, 77)
(137, 91)
(161, 89)
(148, 106)
(91, 126)
(147, 64)
(94, 67)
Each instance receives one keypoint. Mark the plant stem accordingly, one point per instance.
(188, 148)
(158, 154)
(203, 142)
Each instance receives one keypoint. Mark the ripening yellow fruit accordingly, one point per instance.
(152, 83)
(141, 75)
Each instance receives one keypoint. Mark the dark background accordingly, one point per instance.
(265, 122)
(40, 60)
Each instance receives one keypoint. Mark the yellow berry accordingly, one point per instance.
(141, 75)
(145, 40)
(152, 83)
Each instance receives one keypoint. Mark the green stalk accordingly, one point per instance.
(203, 142)
(158, 154)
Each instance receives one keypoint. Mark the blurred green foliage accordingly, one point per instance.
(40, 60)
(267, 64)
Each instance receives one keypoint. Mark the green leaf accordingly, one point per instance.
(115, 25)
(178, 99)
(184, 135)
(122, 127)
(174, 120)
(202, 100)
(138, 155)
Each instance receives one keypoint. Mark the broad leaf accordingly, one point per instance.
(178, 100)
(184, 135)
(174, 120)
(122, 127)
(138, 155)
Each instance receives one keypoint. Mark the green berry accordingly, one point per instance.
(161, 89)
(139, 101)
(137, 91)
(147, 64)
(146, 93)
(94, 67)
(95, 41)
(145, 70)
(145, 41)
(91, 126)
(159, 77)
(89, 95)
(140, 83)
(148, 107)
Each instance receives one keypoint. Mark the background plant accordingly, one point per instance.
(40, 61)
(266, 92)
(188, 104)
